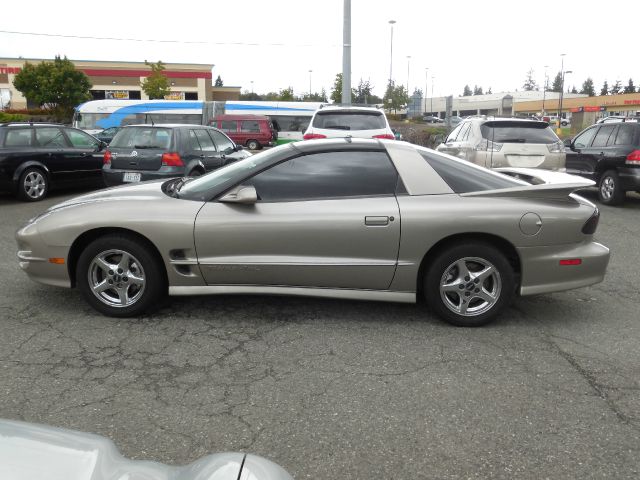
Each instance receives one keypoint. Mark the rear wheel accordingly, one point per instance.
(253, 145)
(33, 185)
(195, 173)
(609, 189)
(468, 284)
(119, 277)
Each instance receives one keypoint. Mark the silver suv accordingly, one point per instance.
(506, 142)
(349, 121)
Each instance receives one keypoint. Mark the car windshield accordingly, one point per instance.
(142, 137)
(518, 132)
(349, 120)
(199, 188)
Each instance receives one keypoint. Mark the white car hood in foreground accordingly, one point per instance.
(37, 452)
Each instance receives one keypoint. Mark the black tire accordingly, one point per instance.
(195, 172)
(253, 145)
(609, 189)
(33, 185)
(497, 284)
(144, 295)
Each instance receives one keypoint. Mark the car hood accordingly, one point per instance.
(29, 451)
(151, 190)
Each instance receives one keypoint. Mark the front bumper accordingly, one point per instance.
(629, 178)
(34, 258)
(542, 272)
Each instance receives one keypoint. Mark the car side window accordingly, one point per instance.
(19, 137)
(50, 137)
(251, 126)
(81, 139)
(602, 137)
(327, 175)
(205, 141)
(229, 126)
(223, 142)
(452, 136)
(584, 139)
(625, 134)
(194, 145)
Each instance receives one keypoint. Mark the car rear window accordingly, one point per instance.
(518, 132)
(142, 137)
(349, 120)
(464, 177)
(18, 137)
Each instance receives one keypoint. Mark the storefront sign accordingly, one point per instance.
(632, 102)
(174, 96)
(10, 70)
(116, 94)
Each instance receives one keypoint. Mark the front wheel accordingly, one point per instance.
(253, 145)
(609, 189)
(119, 277)
(33, 185)
(468, 284)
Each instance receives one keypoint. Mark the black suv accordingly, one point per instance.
(151, 152)
(36, 157)
(609, 154)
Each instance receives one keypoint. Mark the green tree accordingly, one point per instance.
(467, 91)
(616, 89)
(362, 94)
(286, 95)
(247, 95)
(630, 88)
(219, 82)
(530, 82)
(489, 91)
(574, 89)
(556, 86)
(588, 87)
(336, 91)
(156, 85)
(605, 88)
(477, 90)
(396, 97)
(54, 85)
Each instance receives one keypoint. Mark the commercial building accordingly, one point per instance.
(121, 80)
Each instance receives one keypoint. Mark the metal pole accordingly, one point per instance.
(426, 87)
(391, 22)
(408, 62)
(251, 86)
(310, 72)
(346, 54)
(544, 87)
(432, 77)
(558, 129)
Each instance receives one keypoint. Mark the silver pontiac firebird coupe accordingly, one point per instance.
(343, 218)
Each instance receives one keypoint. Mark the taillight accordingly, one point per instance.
(386, 136)
(571, 261)
(106, 159)
(633, 158)
(313, 136)
(172, 160)
(589, 228)
(488, 146)
(557, 147)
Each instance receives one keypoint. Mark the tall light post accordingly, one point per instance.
(562, 55)
(408, 63)
(544, 88)
(426, 87)
(251, 86)
(432, 77)
(346, 53)
(310, 72)
(391, 22)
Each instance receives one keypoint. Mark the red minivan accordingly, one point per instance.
(253, 131)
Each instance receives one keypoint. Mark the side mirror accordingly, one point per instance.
(567, 142)
(239, 148)
(101, 146)
(245, 194)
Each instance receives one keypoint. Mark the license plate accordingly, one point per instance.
(131, 177)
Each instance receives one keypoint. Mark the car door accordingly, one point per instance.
(576, 162)
(53, 148)
(593, 155)
(449, 146)
(322, 220)
(83, 157)
(211, 157)
(225, 147)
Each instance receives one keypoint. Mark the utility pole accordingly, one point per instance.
(426, 87)
(544, 88)
(346, 54)
(391, 22)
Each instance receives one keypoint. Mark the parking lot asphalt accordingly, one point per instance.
(339, 389)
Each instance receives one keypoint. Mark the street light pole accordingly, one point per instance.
(310, 72)
(432, 77)
(562, 55)
(346, 53)
(391, 22)
(544, 87)
(426, 87)
(408, 62)
(252, 86)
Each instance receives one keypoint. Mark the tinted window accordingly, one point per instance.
(249, 126)
(463, 177)
(18, 137)
(349, 120)
(327, 175)
(205, 141)
(142, 137)
(625, 135)
(223, 142)
(80, 139)
(287, 123)
(50, 137)
(229, 125)
(584, 139)
(602, 137)
(194, 145)
(518, 132)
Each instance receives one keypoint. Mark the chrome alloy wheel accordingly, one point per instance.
(34, 184)
(470, 286)
(116, 278)
(607, 186)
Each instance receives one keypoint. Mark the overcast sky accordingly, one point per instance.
(275, 43)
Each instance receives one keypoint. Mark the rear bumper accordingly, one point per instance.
(114, 177)
(547, 161)
(542, 272)
(629, 178)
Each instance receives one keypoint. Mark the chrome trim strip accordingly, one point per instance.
(341, 293)
(183, 262)
(301, 264)
(25, 256)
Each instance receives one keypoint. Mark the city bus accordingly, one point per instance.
(290, 119)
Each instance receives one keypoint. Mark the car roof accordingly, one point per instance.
(350, 108)
(169, 125)
(31, 124)
(339, 143)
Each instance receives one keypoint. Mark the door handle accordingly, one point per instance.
(377, 220)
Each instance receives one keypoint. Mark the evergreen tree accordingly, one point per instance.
(556, 86)
(467, 91)
(588, 87)
(630, 88)
(605, 88)
(219, 82)
(616, 89)
(477, 90)
(574, 89)
(530, 82)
